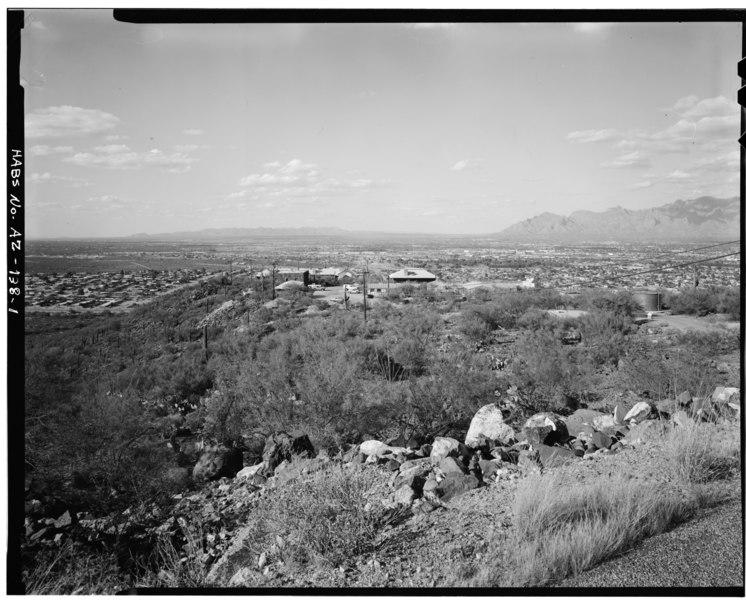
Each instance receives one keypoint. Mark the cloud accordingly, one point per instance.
(593, 135)
(592, 28)
(118, 156)
(107, 203)
(367, 94)
(467, 165)
(59, 121)
(678, 176)
(632, 159)
(301, 181)
(42, 150)
(47, 177)
(691, 107)
(193, 132)
(641, 185)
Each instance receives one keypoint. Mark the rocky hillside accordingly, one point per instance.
(405, 514)
(704, 218)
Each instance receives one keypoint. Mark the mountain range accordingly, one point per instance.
(704, 218)
(699, 219)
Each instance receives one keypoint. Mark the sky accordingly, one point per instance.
(440, 128)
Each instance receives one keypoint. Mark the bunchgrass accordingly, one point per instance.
(703, 452)
(560, 529)
(317, 521)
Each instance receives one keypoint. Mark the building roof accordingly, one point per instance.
(413, 274)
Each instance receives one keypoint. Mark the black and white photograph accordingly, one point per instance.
(374, 302)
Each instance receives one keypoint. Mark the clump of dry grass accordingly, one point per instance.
(561, 529)
(70, 569)
(318, 520)
(703, 452)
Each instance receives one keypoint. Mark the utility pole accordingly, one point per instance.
(365, 296)
(273, 281)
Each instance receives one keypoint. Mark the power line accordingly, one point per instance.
(677, 265)
(673, 252)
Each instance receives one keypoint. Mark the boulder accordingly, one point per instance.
(553, 456)
(645, 431)
(581, 421)
(489, 468)
(488, 424)
(454, 485)
(545, 428)
(601, 440)
(442, 447)
(724, 395)
(604, 423)
(681, 419)
(284, 446)
(405, 496)
(451, 465)
(217, 462)
(376, 451)
(639, 412)
(249, 472)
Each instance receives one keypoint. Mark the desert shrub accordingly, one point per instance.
(617, 302)
(703, 452)
(108, 443)
(702, 301)
(544, 371)
(72, 569)
(604, 335)
(665, 372)
(322, 519)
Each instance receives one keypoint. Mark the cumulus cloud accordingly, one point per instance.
(107, 203)
(632, 159)
(43, 150)
(467, 165)
(193, 132)
(593, 135)
(301, 181)
(59, 121)
(48, 177)
(701, 138)
(119, 156)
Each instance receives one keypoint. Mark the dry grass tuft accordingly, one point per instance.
(704, 452)
(561, 529)
(320, 520)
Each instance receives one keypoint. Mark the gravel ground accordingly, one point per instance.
(704, 552)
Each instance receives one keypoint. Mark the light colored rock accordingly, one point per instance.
(639, 412)
(240, 577)
(451, 465)
(247, 472)
(545, 427)
(442, 447)
(723, 395)
(488, 422)
(405, 495)
(374, 450)
(681, 419)
(604, 423)
(581, 421)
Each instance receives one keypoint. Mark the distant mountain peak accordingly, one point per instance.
(692, 219)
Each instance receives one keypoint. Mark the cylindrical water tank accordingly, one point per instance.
(648, 300)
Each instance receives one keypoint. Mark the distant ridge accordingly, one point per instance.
(704, 218)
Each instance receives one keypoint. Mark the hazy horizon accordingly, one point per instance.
(461, 128)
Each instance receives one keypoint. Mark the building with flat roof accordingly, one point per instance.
(412, 276)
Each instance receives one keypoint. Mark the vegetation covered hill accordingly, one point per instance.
(124, 413)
